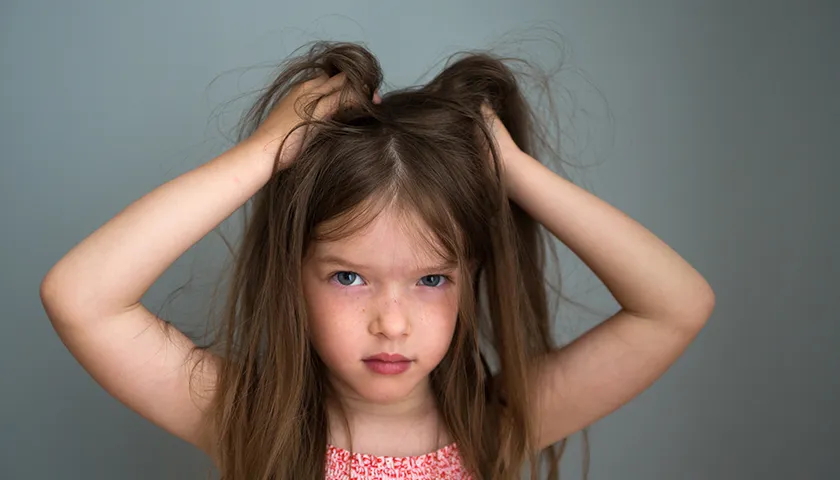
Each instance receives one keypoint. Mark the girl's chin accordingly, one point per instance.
(388, 392)
(384, 391)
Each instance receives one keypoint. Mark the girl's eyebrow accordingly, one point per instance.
(445, 266)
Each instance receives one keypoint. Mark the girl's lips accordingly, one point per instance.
(387, 363)
(388, 368)
(387, 357)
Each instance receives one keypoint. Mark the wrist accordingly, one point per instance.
(265, 149)
(516, 168)
(254, 158)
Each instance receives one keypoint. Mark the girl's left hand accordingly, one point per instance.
(507, 148)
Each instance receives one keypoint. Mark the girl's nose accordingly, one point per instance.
(392, 320)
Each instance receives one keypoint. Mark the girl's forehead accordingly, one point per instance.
(389, 240)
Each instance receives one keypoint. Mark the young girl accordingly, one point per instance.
(388, 314)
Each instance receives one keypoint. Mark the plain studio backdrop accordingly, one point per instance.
(712, 123)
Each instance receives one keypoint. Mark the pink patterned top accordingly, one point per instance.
(444, 463)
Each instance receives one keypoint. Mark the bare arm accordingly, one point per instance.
(665, 302)
(92, 295)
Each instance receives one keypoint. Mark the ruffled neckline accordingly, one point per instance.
(446, 450)
(443, 463)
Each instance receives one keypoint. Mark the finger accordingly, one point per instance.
(313, 83)
(316, 92)
(487, 110)
(332, 84)
(357, 99)
(327, 105)
(330, 103)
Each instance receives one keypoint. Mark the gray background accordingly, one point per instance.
(722, 142)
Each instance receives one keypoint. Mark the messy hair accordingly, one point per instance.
(428, 151)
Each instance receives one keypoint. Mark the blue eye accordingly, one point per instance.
(347, 278)
(432, 280)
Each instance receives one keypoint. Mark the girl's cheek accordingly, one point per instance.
(345, 307)
(445, 298)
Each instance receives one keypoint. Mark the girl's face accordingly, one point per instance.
(382, 308)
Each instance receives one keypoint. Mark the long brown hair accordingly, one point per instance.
(427, 147)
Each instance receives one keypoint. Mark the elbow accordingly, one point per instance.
(48, 288)
(53, 286)
(58, 298)
(49, 294)
(698, 308)
(706, 301)
(688, 312)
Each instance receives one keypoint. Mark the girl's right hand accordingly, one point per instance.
(290, 111)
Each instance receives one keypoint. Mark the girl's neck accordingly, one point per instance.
(408, 427)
